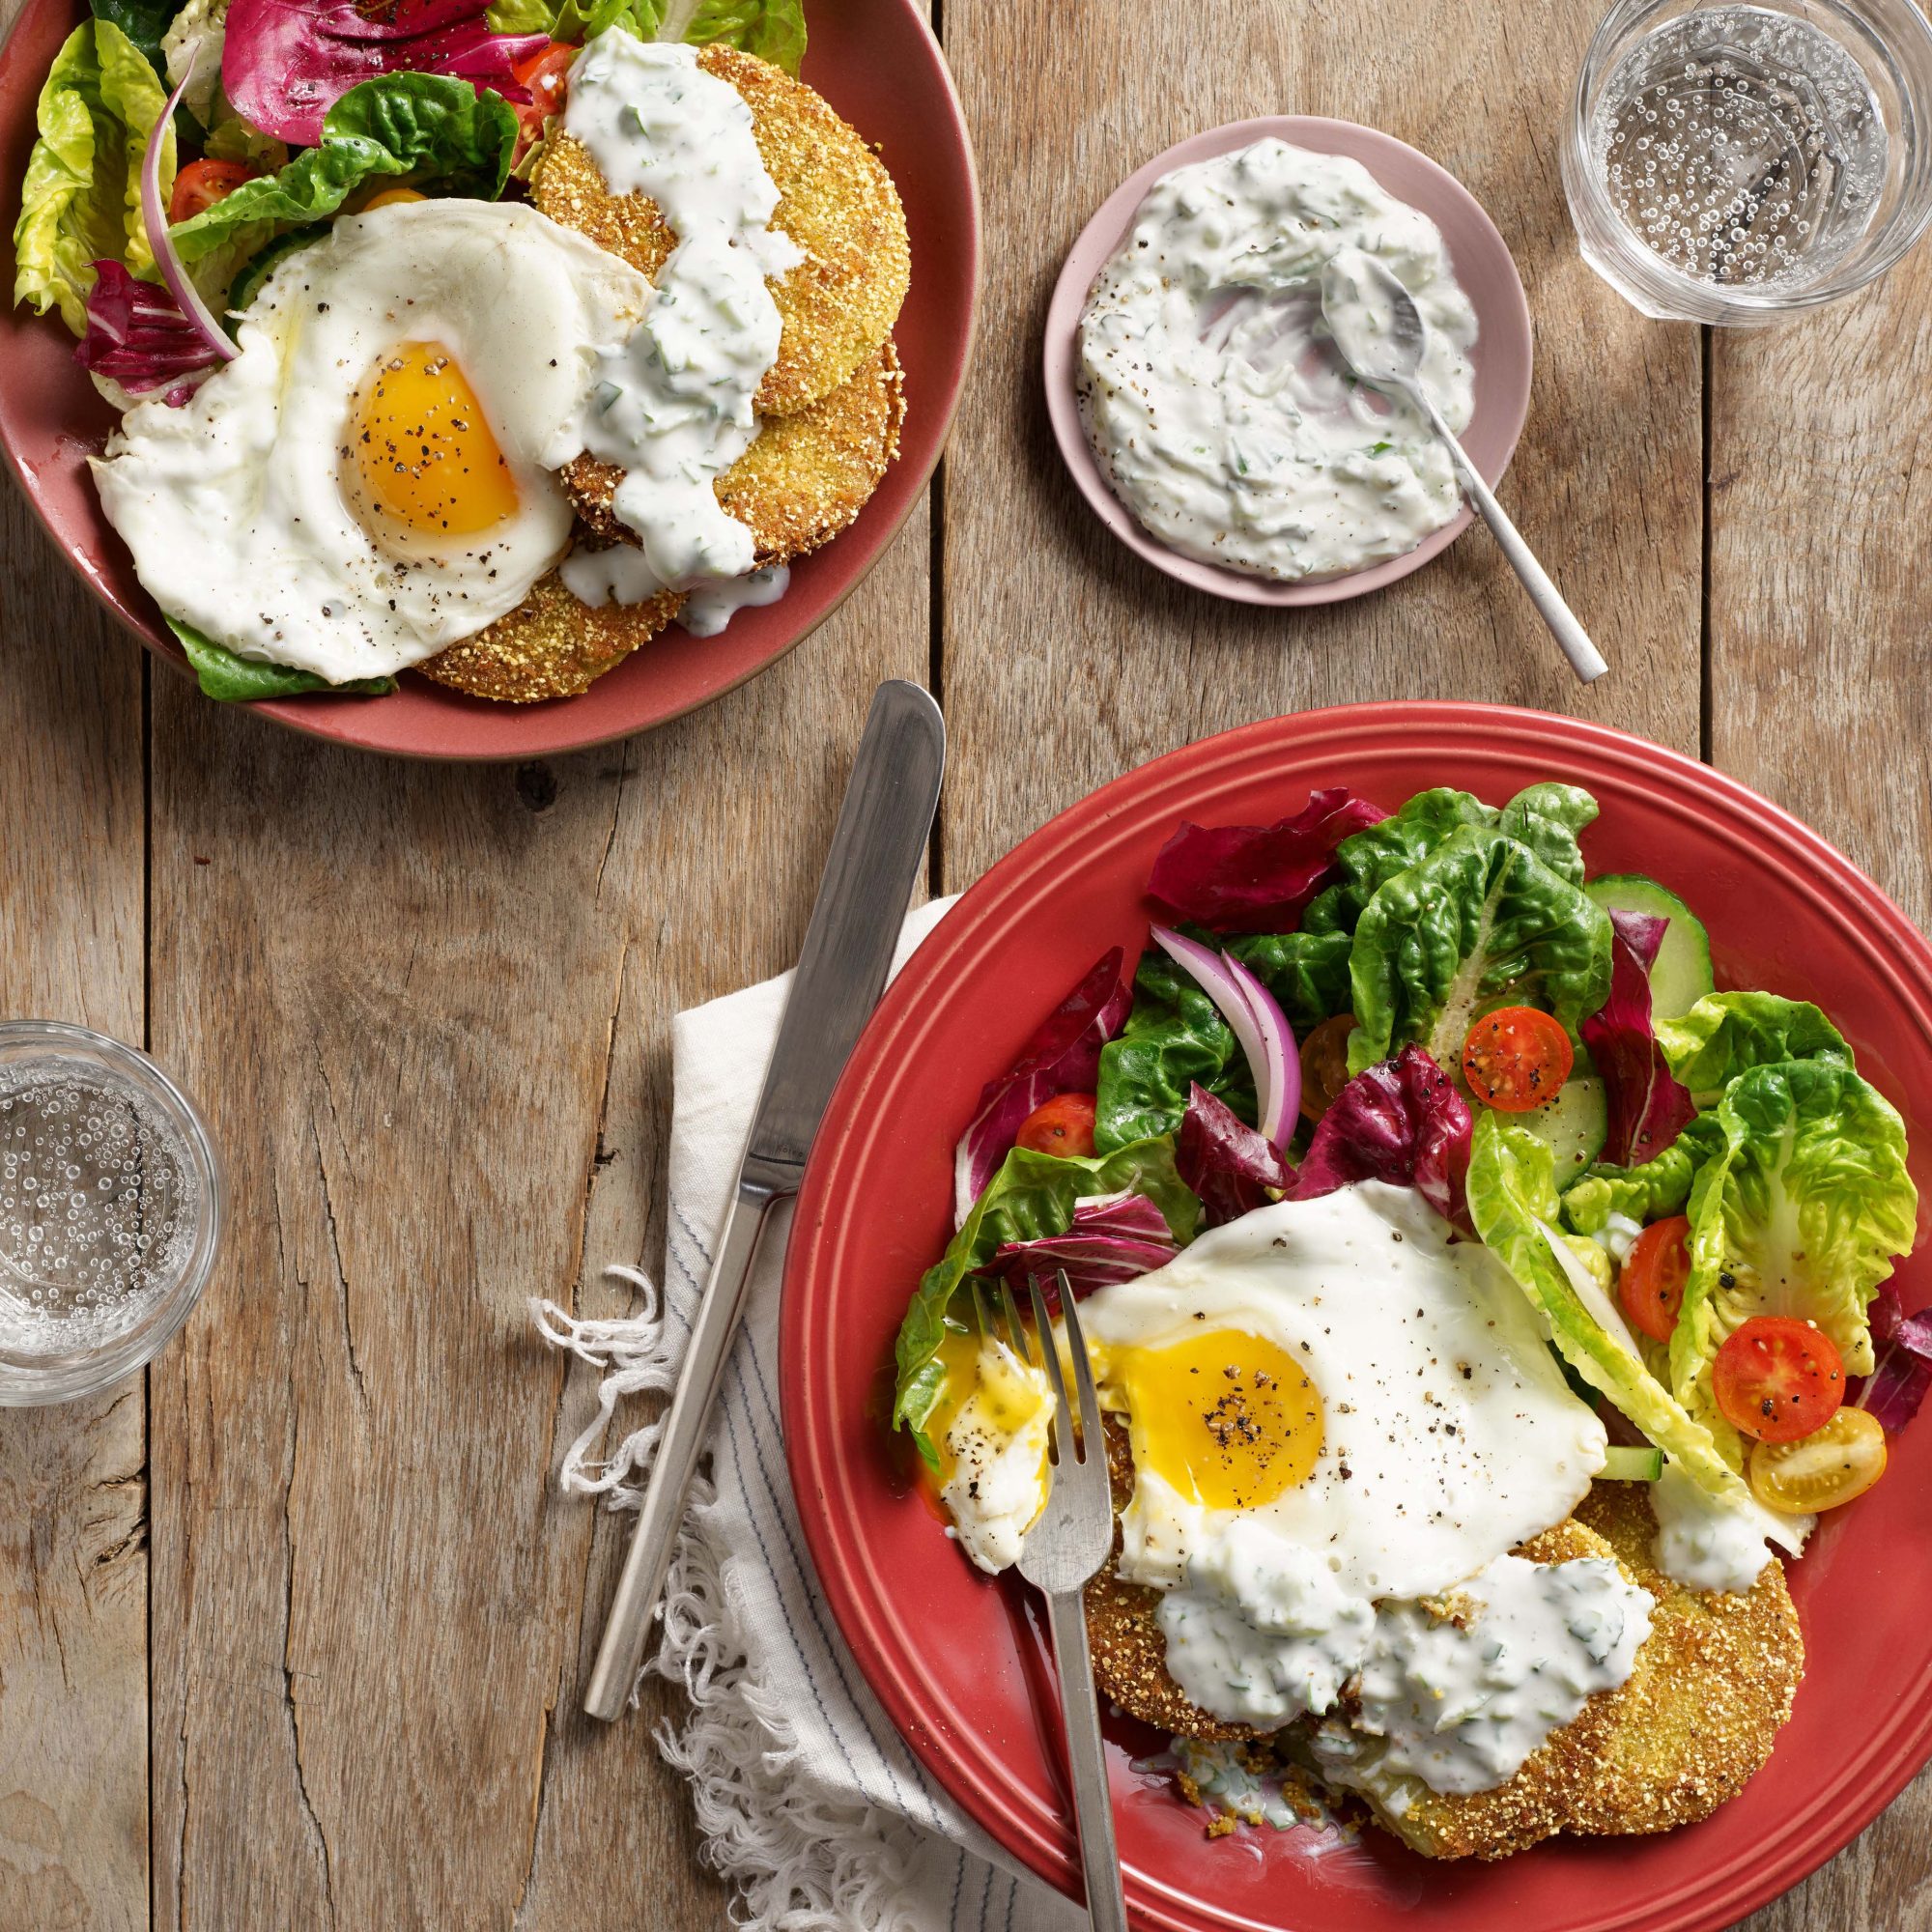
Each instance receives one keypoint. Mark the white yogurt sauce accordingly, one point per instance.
(1219, 410)
(712, 605)
(622, 575)
(1461, 1706)
(672, 407)
(1707, 1543)
(1263, 1632)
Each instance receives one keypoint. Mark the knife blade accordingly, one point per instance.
(877, 848)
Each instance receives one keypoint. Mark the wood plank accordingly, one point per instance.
(427, 1009)
(1067, 660)
(1820, 485)
(74, 1558)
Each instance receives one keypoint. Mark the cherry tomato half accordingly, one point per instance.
(201, 183)
(1777, 1379)
(1516, 1058)
(1832, 1465)
(1324, 1064)
(1064, 1125)
(545, 74)
(1652, 1283)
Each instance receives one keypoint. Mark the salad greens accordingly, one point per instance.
(144, 22)
(237, 680)
(1741, 1110)
(1800, 1212)
(1513, 1202)
(772, 29)
(1032, 1194)
(1482, 922)
(80, 202)
(428, 125)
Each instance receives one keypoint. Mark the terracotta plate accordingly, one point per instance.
(1482, 266)
(940, 1644)
(878, 65)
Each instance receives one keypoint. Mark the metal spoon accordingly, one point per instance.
(1389, 359)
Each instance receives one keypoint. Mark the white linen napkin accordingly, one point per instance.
(811, 1803)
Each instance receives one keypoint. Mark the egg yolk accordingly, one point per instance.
(1227, 1419)
(1003, 1396)
(425, 458)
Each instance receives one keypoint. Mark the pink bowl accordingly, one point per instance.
(1482, 266)
(878, 64)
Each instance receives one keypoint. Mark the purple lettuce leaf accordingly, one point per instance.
(1903, 1371)
(137, 336)
(1114, 1237)
(1063, 1057)
(1648, 1107)
(286, 62)
(1233, 1168)
(1255, 878)
(1400, 1120)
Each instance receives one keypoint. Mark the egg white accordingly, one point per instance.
(234, 506)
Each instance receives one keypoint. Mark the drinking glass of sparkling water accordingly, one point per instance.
(110, 1211)
(1732, 163)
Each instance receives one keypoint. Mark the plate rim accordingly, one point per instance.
(1095, 245)
(331, 718)
(1894, 1750)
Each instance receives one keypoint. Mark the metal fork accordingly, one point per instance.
(1069, 1542)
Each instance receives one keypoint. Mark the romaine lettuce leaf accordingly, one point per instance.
(1800, 1214)
(1727, 1033)
(1513, 1200)
(1546, 818)
(1367, 859)
(772, 29)
(1174, 1038)
(429, 125)
(1032, 1194)
(80, 202)
(1480, 922)
(143, 21)
(1651, 1192)
(237, 680)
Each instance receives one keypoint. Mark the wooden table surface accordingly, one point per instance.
(293, 1632)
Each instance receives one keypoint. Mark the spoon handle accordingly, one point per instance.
(1586, 660)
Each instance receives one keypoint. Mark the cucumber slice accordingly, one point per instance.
(1573, 1127)
(1680, 975)
(256, 270)
(1631, 1465)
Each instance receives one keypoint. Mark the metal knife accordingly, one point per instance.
(877, 852)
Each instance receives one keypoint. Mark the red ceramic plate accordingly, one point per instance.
(877, 62)
(937, 1642)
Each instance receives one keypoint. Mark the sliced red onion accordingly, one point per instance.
(1256, 1021)
(154, 210)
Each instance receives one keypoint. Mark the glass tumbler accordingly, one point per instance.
(1739, 163)
(110, 1211)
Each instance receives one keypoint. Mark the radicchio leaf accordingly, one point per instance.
(1063, 1057)
(1903, 1371)
(137, 336)
(1230, 1166)
(1400, 1120)
(286, 62)
(1648, 1106)
(1114, 1237)
(1256, 878)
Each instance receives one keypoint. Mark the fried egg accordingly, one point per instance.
(1342, 1373)
(371, 477)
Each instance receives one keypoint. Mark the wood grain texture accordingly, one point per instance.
(73, 1559)
(427, 1010)
(1821, 485)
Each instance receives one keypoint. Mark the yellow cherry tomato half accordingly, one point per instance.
(388, 197)
(1830, 1467)
(1324, 1064)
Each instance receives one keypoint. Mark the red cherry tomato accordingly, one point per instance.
(1516, 1058)
(1653, 1278)
(1064, 1125)
(1777, 1379)
(201, 183)
(545, 74)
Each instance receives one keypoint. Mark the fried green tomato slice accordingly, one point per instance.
(549, 645)
(801, 482)
(836, 202)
